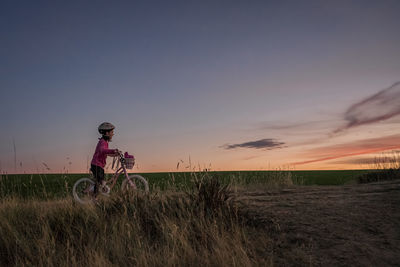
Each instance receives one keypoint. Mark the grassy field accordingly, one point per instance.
(53, 186)
(200, 228)
(189, 219)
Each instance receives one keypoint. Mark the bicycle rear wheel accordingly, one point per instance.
(135, 183)
(83, 190)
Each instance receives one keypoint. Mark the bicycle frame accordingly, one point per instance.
(120, 169)
(83, 189)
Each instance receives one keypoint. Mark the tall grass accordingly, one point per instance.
(269, 179)
(201, 227)
(386, 167)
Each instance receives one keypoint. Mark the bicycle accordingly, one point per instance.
(83, 189)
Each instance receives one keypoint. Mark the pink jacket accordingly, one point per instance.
(100, 155)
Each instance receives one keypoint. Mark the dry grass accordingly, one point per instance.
(385, 166)
(200, 227)
(270, 180)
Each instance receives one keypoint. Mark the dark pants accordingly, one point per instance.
(98, 173)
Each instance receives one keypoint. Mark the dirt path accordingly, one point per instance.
(354, 225)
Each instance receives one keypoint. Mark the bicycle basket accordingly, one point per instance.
(129, 162)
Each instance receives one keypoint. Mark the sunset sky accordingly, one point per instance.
(222, 85)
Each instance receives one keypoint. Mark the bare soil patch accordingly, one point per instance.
(351, 225)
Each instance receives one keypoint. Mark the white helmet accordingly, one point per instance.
(105, 127)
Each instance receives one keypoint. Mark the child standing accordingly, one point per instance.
(106, 129)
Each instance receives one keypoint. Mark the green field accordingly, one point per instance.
(49, 186)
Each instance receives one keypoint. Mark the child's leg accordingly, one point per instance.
(98, 173)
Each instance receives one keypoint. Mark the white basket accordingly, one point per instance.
(129, 162)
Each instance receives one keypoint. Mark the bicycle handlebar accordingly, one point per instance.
(121, 157)
(119, 152)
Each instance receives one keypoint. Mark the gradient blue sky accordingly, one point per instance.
(232, 85)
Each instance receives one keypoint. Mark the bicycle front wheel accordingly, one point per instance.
(135, 183)
(83, 190)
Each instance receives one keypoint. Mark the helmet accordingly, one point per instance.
(105, 127)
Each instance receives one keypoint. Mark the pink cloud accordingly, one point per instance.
(361, 147)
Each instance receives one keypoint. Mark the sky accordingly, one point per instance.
(218, 85)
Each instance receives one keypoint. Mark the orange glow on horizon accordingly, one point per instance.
(362, 147)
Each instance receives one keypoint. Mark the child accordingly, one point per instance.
(106, 129)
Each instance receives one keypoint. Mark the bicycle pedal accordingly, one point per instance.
(105, 189)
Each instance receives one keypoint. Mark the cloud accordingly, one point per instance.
(267, 144)
(282, 126)
(361, 147)
(370, 160)
(378, 107)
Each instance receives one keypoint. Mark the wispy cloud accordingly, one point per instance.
(267, 144)
(294, 126)
(369, 161)
(361, 147)
(378, 107)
